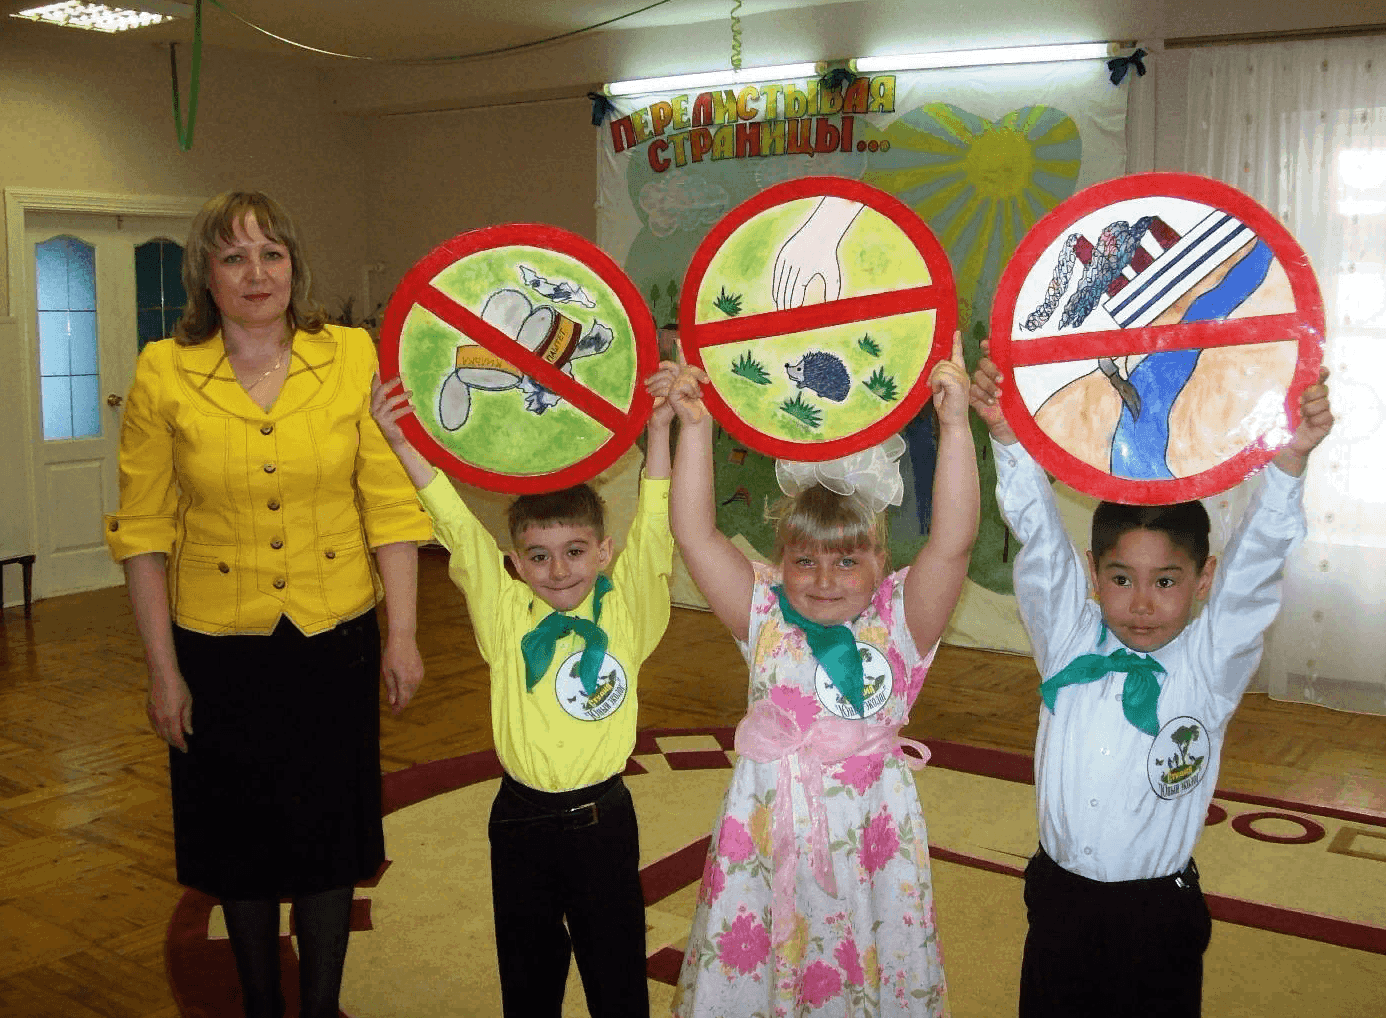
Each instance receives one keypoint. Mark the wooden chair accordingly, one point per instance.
(26, 563)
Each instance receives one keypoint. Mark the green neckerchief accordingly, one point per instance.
(537, 645)
(1139, 694)
(835, 648)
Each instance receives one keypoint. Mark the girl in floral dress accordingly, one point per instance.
(816, 897)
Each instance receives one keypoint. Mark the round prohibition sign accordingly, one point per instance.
(486, 329)
(1164, 269)
(845, 346)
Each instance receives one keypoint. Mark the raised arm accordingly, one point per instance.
(1051, 583)
(936, 576)
(720, 570)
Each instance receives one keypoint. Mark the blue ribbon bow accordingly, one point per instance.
(1120, 65)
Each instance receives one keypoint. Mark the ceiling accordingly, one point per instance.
(425, 28)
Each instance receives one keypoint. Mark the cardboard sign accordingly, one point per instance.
(1158, 329)
(526, 348)
(817, 308)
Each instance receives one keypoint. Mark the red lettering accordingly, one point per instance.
(659, 162)
(848, 123)
(825, 135)
(701, 140)
(702, 110)
(747, 140)
(662, 114)
(622, 134)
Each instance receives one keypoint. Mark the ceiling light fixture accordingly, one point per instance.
(979, 57)
(103, 18)
(709, 79)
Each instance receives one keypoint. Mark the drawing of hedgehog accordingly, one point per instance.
(825, 374)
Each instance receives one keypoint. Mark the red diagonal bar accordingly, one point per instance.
(819, 316)
(501, 345)
(1079, 346)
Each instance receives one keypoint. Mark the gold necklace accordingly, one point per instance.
(278, 363)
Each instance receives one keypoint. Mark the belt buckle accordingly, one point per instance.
(582, 816)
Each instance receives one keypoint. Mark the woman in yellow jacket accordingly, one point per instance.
(254, 486)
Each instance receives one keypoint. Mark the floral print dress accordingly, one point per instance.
(872, 949)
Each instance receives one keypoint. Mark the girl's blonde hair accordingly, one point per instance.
(819, 518)
(214, 226)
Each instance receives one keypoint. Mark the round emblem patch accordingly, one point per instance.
(877, 682)
(1176, 764)
(607, 698)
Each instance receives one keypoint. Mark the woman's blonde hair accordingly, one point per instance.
(215, 225)
(819, 518)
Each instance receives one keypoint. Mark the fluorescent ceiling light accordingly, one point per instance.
(707, 79)
(101, 18)
(976, 57)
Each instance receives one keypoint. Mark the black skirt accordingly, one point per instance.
(279, 792)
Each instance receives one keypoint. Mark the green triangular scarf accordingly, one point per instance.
(537, 645)
(835, 648)
(1139, 694)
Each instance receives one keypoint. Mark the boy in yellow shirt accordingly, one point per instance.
(564, 644)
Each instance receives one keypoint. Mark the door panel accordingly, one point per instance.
(76, 478)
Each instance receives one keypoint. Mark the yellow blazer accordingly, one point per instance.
(262, 514)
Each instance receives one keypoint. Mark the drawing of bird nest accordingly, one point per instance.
(803, 411)
(751, 369)
(883, 385)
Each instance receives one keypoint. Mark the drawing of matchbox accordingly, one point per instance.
(541, 329)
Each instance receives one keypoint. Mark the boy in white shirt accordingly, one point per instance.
(1137, 698)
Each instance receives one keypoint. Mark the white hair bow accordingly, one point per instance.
(872, 475)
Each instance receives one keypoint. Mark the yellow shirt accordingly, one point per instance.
(262, 513)
(556, 737)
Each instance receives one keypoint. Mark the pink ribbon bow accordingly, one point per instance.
(770, 733)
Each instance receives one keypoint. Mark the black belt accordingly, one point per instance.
(1184, 879)
(571, 810)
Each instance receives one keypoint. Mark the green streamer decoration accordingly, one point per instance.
(736, 35)
(185, 137)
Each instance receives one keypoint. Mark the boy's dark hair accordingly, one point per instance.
(578, 506)
(1186, 524)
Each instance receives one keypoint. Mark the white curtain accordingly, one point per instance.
(1301, 127)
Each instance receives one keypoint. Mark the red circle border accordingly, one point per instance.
(550, 238)
(945, 322)
(1303, 285)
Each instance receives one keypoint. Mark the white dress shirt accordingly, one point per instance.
(1115, 803)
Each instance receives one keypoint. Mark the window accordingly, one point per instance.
(69, 380)
(158, 289)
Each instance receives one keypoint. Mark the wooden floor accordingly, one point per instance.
(86, 853)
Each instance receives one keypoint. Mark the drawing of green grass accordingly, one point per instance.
(869, 345)
(749, 368)
(883, 385)
(728, 303)
(804, 412)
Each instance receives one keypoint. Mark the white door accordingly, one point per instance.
(84, 316)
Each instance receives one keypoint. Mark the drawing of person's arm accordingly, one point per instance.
(811, 252)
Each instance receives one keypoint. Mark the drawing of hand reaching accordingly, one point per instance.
(811, 253)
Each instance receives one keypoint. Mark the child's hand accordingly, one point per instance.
(949, 382)
(985, 397)
(388, 409)
(676, 389)
(1315, 422)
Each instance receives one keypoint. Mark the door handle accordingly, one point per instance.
(114, 400)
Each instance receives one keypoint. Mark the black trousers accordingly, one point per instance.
(574, 857)
(1125, 949)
